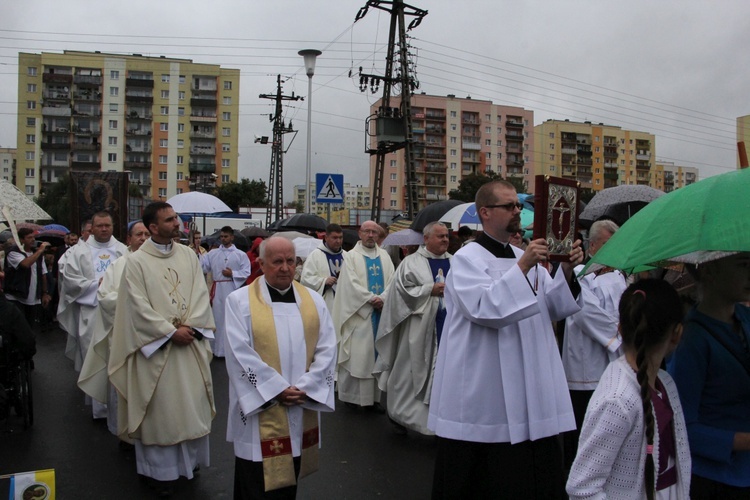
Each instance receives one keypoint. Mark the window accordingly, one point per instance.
(226, 101)
(393, 163)
(182, 79)
(181, 95)
(598, 160)
(453, 114)
(180, 127)
(597, 181)
(596, 170)
(112, 140)
(180, 176)
(31, 87)
(180, 160)
(225, 147)
(114, 74)
(180, 111)
(453, 152)
(180, 190)
(165, 94)
(453, 178)
(552, 168)
(163, 159)
(113, 124)
(228, 85)
(163, 143)
(180, 144)
(226, 131)
(29, 172)
(394, 203)
(31, 122)
(226, 115)
(162, 176)
(499, 143)
(29, 189)
(225, 178)
(113, 107)
(164, 110)
(453, 166)
(487, 117)
(488, 142)
(111, 157)
(30, 155)
(31, 71)
(551, 157)
(552, 146)
(393, 190)
(489, 155)
(30, 104)
(165, 78)
(30, 138)
(164, 127)
(393, 177)
(488, 130)
(453, 127)
(224, 163)
(596, 149)
(551, 135)
(114, 91)
(162, 192)
(453, 140)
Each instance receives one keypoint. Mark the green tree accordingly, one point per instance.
(243, 193)
(296, 205)
(469, 185)
(55, 200)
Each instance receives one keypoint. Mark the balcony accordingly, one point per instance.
(139, 82)
(85, 130)
(513, 124)
(202, 168)
(55, 146)
(87, 80)
(471, 120)
(569, 151)
(57, 78)
(129, 165)
(610, 176)
(137, 132)
(87, 95)
(434, 116)
(435, 169)
(79, 146)
(642, 166)
(435, 197)
(586, 162)
(56, 129)
(610, 155)
(143, 148)
(145, 99)
(471, 146)
(515, 171)
(56, 95)
(202, 135)
(55, 111)
(644, 157)
(435, 130)
(203, 151)
(85, 165)
(513, 136)
(203, 118)
(207, 101)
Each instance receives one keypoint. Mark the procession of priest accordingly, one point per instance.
(535, 379)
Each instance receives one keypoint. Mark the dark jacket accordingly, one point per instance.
(18, 280)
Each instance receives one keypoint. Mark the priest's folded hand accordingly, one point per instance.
(183, 335)
(291, 396)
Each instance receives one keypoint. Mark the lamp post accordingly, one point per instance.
(310, 55)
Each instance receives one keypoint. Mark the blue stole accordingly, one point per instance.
(375, 284)
(335, 261)
(439, 268)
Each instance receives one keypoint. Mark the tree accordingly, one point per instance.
(55, 200)
(469, 185)
(245, 192)
(296, 205)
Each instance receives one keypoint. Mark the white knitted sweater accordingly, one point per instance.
(612, 449)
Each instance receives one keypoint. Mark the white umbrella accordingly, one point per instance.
(21, 208)
(304, 246)
(291, 235)
(196, 202)
(462, 215)
(405, 237)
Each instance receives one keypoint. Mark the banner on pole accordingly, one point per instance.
(36, 485)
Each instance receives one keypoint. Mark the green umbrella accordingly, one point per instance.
(698, 223)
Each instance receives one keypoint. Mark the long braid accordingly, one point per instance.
(641, 361)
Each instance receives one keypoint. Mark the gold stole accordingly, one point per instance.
(275, 443)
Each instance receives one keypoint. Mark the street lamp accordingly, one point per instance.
(310, 55)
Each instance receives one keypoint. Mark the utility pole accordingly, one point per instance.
(393, 126)
(276, 177)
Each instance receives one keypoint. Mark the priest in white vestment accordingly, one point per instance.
(499, 399)
(281, 356)
(160, 359)
(412, 320)
(94, 379)
(591, 339)
(360, 293)
(322, 267)
(229, 268)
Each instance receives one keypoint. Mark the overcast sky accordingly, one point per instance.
(677, 69)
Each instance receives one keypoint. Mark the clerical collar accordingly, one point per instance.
(277, 295)
(495, 247)
(97, 244)
(328, 250)
(163, 248)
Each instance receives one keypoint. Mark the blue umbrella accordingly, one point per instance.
(56, 227)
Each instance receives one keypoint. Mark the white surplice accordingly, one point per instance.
(84, 264)
(407, 341)
(215, 262)
(252, 383)
(352, 318)
(591, 340)
(316, 270)
(498, 376)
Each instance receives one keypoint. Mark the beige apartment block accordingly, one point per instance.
(597, 155)
(668, 176)
(172, 124)
(7, 163)
(455, 137)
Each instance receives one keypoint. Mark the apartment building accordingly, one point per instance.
(597, 155)
(172, 124)
(7, 163)
(355, 196)
(668, 176)
(455, 137)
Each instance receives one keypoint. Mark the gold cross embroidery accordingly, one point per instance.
(276, 447)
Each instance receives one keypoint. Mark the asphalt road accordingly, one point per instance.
(361, 458)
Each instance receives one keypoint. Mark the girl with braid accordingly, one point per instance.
(633, 441)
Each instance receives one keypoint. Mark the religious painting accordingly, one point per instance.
(556, 214)
(100, 191)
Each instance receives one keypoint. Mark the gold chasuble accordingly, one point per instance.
(275, 442)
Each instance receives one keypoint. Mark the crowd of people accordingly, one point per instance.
(535, 381)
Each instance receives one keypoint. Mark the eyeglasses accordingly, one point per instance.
(507, 206)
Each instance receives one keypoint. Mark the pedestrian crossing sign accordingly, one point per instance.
(330, 188)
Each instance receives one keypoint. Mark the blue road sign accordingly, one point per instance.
(330, 188)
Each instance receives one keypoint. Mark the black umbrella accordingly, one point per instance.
(255, 232)
(240, 241)
(310, 222)
(432, 213)
(351, 237)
